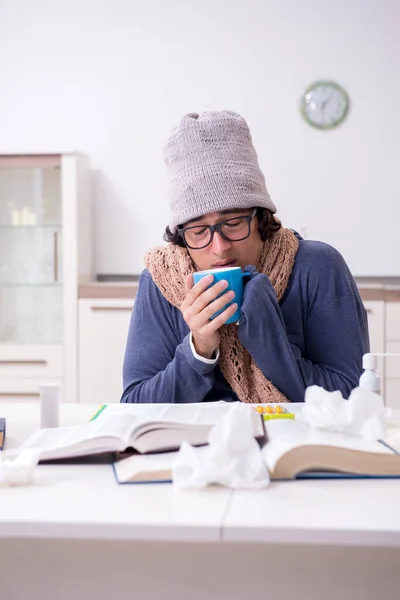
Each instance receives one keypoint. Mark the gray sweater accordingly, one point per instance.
(316, 335)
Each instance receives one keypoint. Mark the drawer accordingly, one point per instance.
(392, 395)
(393, 321)
(22, 390)
(31, 361)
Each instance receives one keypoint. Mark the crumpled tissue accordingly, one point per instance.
(17, 467)
(233, 457)
(363, 414)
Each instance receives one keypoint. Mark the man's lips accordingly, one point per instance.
(230, 263)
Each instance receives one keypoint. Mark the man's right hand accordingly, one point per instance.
(197, 308)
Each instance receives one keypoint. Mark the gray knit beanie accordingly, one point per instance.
(212, 166)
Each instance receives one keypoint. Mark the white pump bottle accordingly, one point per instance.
(370, 379)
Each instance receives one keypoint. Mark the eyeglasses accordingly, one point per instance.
(233, 230)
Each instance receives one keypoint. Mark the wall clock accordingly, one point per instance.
(324, 104)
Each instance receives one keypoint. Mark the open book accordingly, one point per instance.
(143, 429)
(295, 450)
(292, 451)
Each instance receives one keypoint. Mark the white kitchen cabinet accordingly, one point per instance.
(392, 395)
(103, 330)
(376, 324)
(393, 320)
(392, 399)
(45, 254)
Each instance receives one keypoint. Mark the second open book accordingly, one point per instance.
(292, 450)
(139, 428)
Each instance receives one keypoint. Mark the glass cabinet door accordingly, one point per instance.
(31, 309)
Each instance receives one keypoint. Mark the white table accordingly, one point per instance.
(75, 533)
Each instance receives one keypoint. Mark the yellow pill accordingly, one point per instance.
(260, 409)
(280, 409)
(270, 409)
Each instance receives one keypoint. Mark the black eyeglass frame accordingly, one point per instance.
(217, 227)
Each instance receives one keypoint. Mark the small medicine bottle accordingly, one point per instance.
(369, 379)
(50, 397)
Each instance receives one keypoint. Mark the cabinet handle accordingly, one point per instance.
(13, 394)
(55, 251)
(23, 362)
(111, 308)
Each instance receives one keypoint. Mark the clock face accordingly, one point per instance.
(324, 104)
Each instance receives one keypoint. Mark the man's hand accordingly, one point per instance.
(197, 308)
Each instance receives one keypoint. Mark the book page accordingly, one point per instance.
(47, 439)
(199, 413)
(114, 425)
(284, 435)
(115, 428)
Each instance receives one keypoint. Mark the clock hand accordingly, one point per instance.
(326, 101)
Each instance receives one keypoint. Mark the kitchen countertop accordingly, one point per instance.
(379, 288)
(108, 289)
(125, 287)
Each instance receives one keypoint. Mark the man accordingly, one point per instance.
(302, 320)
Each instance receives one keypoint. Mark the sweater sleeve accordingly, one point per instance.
(335, 335)
(159, 367)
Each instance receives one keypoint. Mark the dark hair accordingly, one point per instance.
(267, 226)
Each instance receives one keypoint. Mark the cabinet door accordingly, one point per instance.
(30, 233)
(376, 324)
(393, 347)
(393, 393)
(393, 321)
(103, 330)
(393, 362)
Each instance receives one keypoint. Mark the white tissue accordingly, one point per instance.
(17, 467)
(363, 414)
(233, 457)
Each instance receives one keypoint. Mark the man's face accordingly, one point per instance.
(221, 252)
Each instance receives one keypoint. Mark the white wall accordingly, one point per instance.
(112, 77)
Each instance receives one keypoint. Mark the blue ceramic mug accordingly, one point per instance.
(234, 276)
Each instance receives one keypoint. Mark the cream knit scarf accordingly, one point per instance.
(169, 266)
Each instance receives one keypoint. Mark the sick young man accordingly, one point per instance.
(302, 321)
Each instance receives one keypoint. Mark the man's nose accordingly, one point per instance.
(219, 245)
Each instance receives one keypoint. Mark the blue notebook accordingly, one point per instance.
(2, 432)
